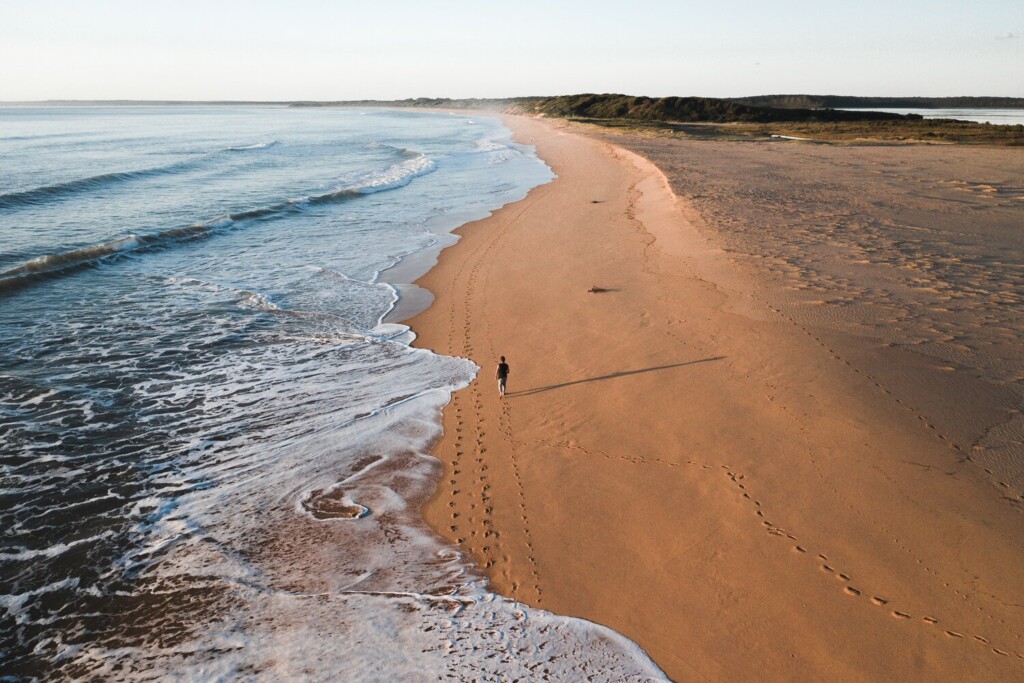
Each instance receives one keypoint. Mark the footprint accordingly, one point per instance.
(900, 615)
(930, 620)
(851, 590)
(954, 634)
(799, 549)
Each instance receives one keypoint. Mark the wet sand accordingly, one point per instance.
(702, 459)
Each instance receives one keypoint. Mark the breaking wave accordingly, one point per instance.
(394, 177)
(248, 148)
(497, 153)
(59, 191)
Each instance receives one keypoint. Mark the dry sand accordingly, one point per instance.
(908, 257)
(689, 462)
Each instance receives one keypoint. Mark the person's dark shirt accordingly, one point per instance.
(502, 370)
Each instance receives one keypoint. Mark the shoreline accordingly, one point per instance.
(679, 462)
(409, 269)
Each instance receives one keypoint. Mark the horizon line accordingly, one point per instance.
(477, 99)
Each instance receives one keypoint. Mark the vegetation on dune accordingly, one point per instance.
(684, 109)
(849, 132)
(924, 130)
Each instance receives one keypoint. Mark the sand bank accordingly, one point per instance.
(685, 461)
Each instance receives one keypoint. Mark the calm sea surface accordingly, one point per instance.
(1003, 117)
(212, 450)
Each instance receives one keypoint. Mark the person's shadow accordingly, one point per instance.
(614, 375)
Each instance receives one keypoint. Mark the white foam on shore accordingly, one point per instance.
(485, 637)
(50, 551)
(266, 452)
(15, 604)
(375, 597)
(496, 151)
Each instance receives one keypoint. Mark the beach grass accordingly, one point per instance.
(920, 131)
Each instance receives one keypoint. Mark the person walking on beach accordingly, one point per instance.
(501, 374)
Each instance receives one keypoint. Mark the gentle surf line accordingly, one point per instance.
(62, 191)
(396, 176)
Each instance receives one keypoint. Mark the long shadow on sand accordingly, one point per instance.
(624, 373)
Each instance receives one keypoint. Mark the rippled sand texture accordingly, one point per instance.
(908, 262)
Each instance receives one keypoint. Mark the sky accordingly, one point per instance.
(394, 49)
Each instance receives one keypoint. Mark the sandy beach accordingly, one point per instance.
(703, 454)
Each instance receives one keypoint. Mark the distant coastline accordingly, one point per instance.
(813, 118)
(769, 101)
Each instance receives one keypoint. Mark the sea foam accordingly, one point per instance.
(218, 449)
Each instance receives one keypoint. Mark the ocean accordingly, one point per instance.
(213, 439)
(999, 117)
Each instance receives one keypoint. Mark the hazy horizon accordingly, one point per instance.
(314, 50)
(73, 102)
